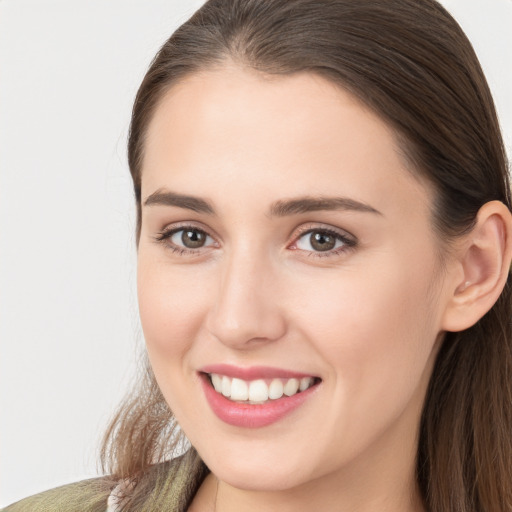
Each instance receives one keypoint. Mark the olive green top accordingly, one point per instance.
(175, 485)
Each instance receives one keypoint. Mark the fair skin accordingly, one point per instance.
(364, 313)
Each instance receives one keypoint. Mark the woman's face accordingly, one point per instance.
(284, 243)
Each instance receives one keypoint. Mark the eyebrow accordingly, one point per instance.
(167, 198)
(281, 208)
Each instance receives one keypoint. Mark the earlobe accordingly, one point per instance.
(484, 257)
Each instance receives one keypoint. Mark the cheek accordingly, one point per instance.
(172, 305)
(376, 329)
(373, 329)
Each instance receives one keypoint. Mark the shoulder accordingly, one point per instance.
(87, 496)
(168, 485)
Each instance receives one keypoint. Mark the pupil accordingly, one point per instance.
(322, 241)
(193, 239)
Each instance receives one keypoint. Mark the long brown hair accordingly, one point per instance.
(410, 62)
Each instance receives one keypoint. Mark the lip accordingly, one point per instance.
(252, 372)
(246, 415)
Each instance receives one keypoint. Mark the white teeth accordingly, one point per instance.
(239, 390)
(258, 391)
(276, 389)
(226, 386)
(217, 382)
(291, 387)
(305, 383)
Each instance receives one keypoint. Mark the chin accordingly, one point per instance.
(258, 471)
(258, 477)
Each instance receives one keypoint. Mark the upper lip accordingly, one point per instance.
(252, 372)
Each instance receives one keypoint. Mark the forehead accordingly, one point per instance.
(274, 136)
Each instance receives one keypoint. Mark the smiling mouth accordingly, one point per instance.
(259, 391)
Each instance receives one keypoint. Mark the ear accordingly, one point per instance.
(483, 264)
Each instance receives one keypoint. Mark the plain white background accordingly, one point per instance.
(69, 333)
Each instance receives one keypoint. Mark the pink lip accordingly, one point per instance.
(245, 415)
(253, 372)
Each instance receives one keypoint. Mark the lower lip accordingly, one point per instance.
(246, 415)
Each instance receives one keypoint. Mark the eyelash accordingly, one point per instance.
(165, 235)
(349, 242)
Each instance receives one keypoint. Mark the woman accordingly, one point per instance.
(324, 243)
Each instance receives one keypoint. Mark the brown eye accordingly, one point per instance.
(188, 238)
(193, 238)
(322, 241)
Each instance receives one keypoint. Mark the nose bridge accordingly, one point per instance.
(245, 309)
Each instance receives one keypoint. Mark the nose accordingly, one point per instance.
(246, 311)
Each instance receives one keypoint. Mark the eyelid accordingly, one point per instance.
(348, 239)
(164, 237)
(312, 226)
(190, 224)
